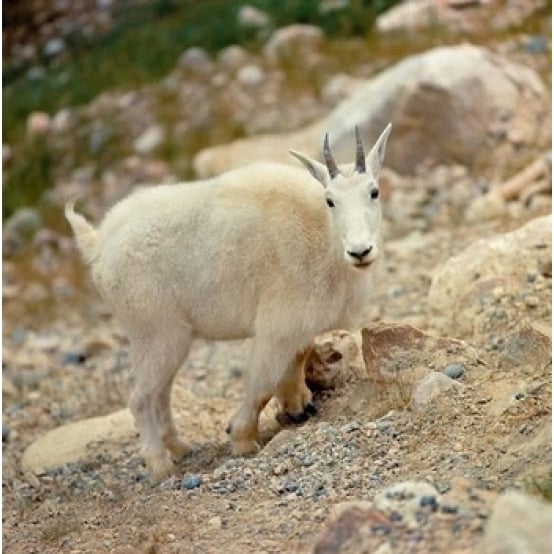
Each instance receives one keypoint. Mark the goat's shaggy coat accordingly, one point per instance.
(256, 252)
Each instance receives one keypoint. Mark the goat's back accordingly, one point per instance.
(217, 252)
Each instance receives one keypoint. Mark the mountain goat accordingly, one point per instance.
(263, 251)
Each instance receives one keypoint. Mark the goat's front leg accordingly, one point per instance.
(292, 393)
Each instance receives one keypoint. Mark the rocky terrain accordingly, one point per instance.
(433, 431)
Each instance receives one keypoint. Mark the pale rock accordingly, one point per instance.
(487, 207)
(63, 121)
(339, 87)
(432, 386)
(38, 124)
(7, 154)
(149, 140)
(293, 42)
(519, 523)
(72, 442)
(249, 16)
(215, 522)
(232, 57)
(195, 59)
(492, 267)
(250, 75)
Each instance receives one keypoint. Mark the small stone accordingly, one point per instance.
(25, 222)
(196, 59)
(54, 47)
(454, 370)
(250, 16)
(350, 427)
(215, 522)
(74, 358)
(38, 124)
(250, 75)
(150, 140)
(532, 301)
(191, 481)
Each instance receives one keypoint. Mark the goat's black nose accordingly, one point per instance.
(360, 254)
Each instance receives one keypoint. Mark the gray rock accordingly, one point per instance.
(25, 222)
(454, 370)
(6, 431)
(195, 59)
(54, 47)
(191, 481)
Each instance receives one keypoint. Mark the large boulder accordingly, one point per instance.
(450, 104)
(495, 282)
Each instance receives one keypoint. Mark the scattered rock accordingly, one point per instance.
(403, 352)
(294, 43)
(439, 114)
(25, 222)
(38, 124)
(250, 75)
(519, 523)
(149, 140)
(430, 388)
(454, 370)
(526, 346)
(249, 16)
(191, 481)
(195, 59)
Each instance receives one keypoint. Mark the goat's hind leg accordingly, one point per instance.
(156, 361)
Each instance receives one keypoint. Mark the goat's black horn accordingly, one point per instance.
(360, 156)
(328, 157)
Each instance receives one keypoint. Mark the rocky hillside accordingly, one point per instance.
(433, 431)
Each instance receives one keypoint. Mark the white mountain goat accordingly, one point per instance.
(263, 251)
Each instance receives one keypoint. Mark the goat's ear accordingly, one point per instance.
(374, 159)
(318, 170)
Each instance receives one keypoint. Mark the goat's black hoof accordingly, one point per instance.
(228, 429)
(298, 418)
(310, 409)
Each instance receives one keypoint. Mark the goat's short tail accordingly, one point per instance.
(85, 234)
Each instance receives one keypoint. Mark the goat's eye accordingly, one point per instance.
(330, 203)
(374, 194)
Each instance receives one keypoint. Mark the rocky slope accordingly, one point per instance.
(434, 426)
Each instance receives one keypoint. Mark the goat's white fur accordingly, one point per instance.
(254, 252)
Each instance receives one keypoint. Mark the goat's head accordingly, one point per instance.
(352, 197)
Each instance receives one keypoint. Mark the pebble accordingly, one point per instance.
(215, 522)
(532, 301)
(454, 370)
(191, 481)
(74, 358)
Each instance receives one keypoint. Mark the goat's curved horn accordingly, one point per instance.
(360, 156)
(328, 157)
